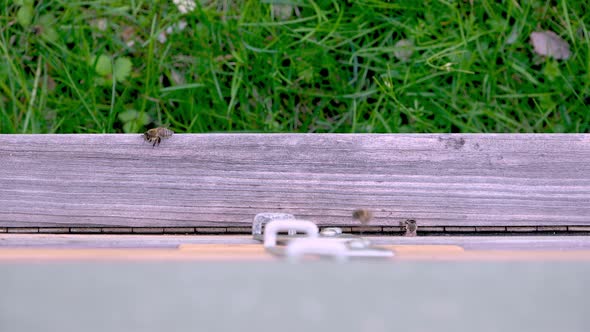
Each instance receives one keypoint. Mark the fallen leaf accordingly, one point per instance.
(548, 43)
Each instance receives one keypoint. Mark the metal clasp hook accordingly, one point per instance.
(334, 244)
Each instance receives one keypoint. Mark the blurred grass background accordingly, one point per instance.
(291, 66)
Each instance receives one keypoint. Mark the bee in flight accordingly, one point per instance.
(362, 215)
(155, 135)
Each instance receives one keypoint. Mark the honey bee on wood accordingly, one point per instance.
(409, 226)
(362, 215)
(155, 135)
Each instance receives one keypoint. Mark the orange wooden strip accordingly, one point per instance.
(38, 254)
(247, 252)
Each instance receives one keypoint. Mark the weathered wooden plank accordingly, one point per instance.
(148, 230)
(219, 180)
(54, 230)
(526, 229)
(432, 229)
(484, 229)
(117, 230)
(179, 230)
(454, 229)
(22, 230)
(210, 230)
(234, 230)
(85, 230)
(552, 228)
(367, 229)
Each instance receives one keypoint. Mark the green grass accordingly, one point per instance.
(330, 67)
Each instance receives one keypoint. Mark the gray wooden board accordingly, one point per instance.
(173, 241)
(406, 296)
(196, 180)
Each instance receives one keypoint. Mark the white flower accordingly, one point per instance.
(181, 25)
(448, 66)
(162, 37)
(185, 6)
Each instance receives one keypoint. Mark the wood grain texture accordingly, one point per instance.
(225, 179)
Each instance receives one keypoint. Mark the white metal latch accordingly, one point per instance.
(304, 239)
